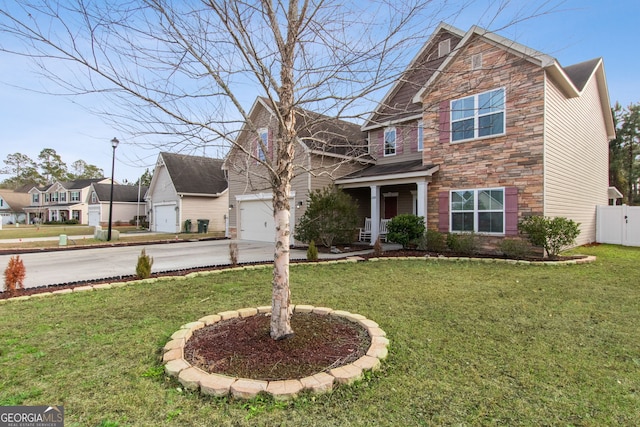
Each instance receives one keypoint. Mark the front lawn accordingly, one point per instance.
(471, 344)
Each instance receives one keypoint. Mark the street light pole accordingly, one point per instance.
(114, 144)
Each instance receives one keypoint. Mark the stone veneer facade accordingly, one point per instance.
(512, 160)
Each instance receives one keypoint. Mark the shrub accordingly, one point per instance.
(515, 248)
(552, 234)
(462, 243)
(435, 241)
(312, 251)
(405, 229)
(143, 268)
(14, 275)
(233, 253)
(330, 218)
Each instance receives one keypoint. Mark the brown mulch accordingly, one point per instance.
(242, 347)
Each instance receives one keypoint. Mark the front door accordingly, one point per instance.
(390, 207)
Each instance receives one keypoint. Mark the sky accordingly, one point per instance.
(576, 31)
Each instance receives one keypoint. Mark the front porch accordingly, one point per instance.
(387, 190)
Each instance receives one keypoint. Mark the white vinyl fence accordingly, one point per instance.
(618, 225)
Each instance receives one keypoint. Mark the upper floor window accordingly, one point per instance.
(63, 197)
(264, 137)
(479, 211)
(47, 197)
(75, 196)
(94, 197)
(54, 197)
(420, 135)
(35, 198)
(478, 116)
(390, 142)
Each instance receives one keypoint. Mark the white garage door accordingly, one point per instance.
(165, 219)
(94, 216)
(256, 221)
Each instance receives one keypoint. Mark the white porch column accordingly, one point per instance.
(421, 197)
(375, 213)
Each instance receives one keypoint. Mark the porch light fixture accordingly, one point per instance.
(114, 144)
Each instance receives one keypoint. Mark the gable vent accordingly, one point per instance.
(444, 47)
(476, 61)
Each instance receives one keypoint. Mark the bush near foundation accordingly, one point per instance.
(552, 234)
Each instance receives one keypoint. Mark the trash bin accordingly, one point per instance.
(187, 226)
(63, 240)
(203, 225)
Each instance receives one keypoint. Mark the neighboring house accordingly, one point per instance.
(12, 204)
(187, 188)
(481, 131)
(61, 201)
(128, 203)
(326, 148)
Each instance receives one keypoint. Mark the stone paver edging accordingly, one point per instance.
(348, 259)
(193, 378)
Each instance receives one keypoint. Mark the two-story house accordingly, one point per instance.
(326, 148)
(481, 131)
(61, 201)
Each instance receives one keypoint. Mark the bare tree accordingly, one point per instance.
(188, 68)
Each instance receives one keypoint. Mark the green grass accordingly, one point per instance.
(471, 344)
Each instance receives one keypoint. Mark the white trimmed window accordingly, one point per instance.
(63, 197)
(478, 116)
(480, 211)
(94, 197)
(390, 142)
(264, 137)
(420, 135)
(75, 196)
(35, 198)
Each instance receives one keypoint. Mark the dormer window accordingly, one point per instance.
(444, 47)
(390, 142)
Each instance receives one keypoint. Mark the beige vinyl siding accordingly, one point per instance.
(213, 209)
(576, 157)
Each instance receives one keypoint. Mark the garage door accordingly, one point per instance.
(94, 216)
(165, 219)
(256, 221)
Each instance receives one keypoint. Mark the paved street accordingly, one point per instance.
(56, 267)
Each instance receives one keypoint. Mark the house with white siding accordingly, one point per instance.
(184, 190)
(481, 131)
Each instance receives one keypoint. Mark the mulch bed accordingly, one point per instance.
(243, 348)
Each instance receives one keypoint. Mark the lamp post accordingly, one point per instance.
(114, 144)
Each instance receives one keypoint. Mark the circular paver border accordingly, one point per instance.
(193, 378)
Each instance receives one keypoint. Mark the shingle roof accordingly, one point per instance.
(16, 200)
(580, 73)
(195, 174)
(79, 183)
(322, 133)
(121, 193)
(409, 166)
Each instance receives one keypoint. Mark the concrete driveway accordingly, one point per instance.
(67, 266)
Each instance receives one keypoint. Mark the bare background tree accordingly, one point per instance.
(185, 71)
